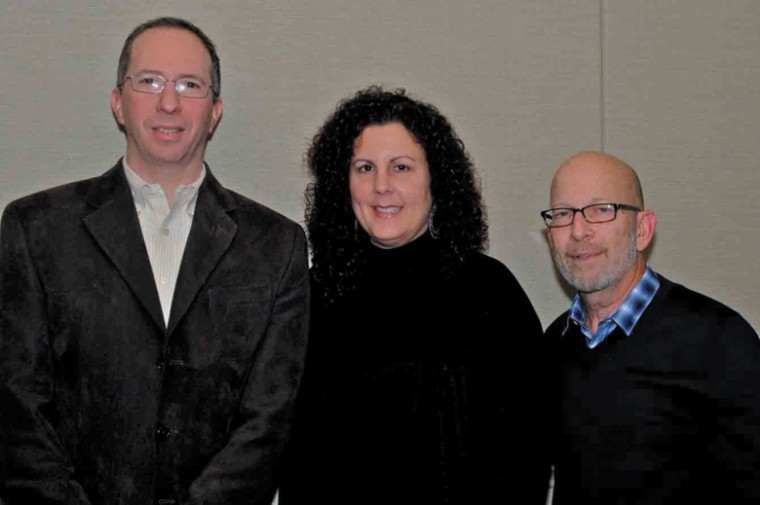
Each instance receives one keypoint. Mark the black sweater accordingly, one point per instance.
(421, 389)
(667, 415)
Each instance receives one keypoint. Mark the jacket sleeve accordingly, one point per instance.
(38, 469)
(244, 470)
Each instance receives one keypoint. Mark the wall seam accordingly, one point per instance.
(602, 80)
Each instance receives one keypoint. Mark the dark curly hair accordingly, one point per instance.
(337, 247)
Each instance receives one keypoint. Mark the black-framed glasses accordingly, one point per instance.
(594, 213)
(154, 83)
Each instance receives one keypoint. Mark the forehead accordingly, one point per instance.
(170, 50)
(391, 136)
(583, 182)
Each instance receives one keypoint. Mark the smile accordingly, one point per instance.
(582, 256)
(167, 130)
(388, 211)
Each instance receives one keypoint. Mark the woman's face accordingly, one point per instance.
(390, 185)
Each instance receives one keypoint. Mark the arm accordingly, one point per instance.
(243, 471)
(735, 390)
(512, 396)
(38, 468)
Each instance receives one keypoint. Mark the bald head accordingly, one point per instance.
(615, 180)
(603, 258)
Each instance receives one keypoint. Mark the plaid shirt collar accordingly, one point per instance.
(626, 316)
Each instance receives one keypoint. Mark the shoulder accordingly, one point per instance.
(678, 301)
(480, 268)
(260, 231)
(58, 199)
(248, 213)
(55, 207)
(486, 281)
(555, 329)
(248, 209)
(694, 320)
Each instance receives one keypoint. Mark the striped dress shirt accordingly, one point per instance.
(164, 229)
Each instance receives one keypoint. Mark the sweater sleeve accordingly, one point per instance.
(734, 417)
(510, 390)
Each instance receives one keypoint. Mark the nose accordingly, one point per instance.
(168, 99)
(381, 181)
(580, 228)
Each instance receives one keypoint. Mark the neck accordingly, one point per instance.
(169, 176)
(601, 304)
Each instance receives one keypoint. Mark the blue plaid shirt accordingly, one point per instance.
(625, 316)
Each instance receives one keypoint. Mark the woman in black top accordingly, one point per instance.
(423, 380)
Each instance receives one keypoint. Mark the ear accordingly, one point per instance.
(216, 115)
(116, 106)
(646, 221)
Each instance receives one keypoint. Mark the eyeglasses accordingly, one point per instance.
(154, 83)
(595, 213)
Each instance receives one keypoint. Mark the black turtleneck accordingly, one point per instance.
(421, 388)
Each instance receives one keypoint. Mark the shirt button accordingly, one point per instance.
(163, 280)
(165, 231)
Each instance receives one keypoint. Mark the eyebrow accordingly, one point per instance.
(180, 76)
(394, 159)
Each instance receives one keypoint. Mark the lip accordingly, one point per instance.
(167, 132)
(584, 255)
(386, 211)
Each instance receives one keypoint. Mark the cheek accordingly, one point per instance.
(354, 189)
(420, 193)
(360, 193)
(558, 242)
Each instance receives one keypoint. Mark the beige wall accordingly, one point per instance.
(670, 86)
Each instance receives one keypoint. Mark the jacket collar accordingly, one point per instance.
(114, 225)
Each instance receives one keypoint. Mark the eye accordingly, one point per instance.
(602, 210)
(402, 168)
(560, 213)
(363, 167)
(148, 79)
(189, 83)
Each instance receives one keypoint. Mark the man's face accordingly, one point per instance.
(166, 130)
(594, 257)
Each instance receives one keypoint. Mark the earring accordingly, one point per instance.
(431, 227)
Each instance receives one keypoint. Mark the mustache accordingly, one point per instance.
(584, 249)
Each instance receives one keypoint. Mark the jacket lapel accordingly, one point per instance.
(115, 227)
(210, 237)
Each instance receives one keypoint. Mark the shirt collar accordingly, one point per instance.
(627, 314)
(185, 195)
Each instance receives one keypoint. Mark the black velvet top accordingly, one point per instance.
(421, 389)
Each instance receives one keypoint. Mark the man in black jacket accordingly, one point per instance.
(659, 386)
(152, 323)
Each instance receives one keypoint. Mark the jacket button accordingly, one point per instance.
(162, 432)
(160, 366)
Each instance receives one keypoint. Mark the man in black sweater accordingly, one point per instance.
(658, 386)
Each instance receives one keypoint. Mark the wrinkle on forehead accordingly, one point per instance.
(592, 167)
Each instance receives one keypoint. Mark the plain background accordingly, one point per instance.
(671, 86)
